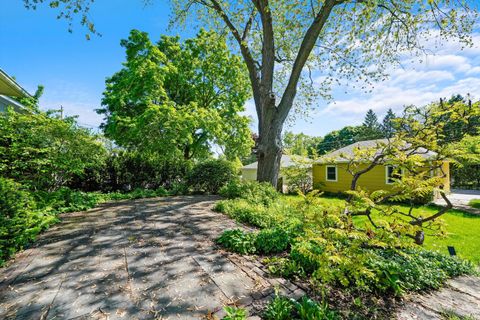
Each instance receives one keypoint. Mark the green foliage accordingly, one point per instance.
(466, 169)
(299, 176)
(274, 240)
(211, 175)
(371, 128)
(128, 170)
(284, 267)
(178, 98)
(237, 240)
(280, 308)
(243, 211)
(20, 221)
(233, 313)
(339, 139)
(300, 144)
(307, 309)
(414, 269)
(253, 191)
(329, 249)
(388, 124)
(44, 152)
(283, 308)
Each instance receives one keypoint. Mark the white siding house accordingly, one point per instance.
(249, 172)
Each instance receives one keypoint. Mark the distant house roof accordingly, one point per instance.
(346, 153)
(285, 162)
(10, 87)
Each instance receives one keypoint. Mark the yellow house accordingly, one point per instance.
(334, 177)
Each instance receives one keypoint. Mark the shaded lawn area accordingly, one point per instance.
(463, 229)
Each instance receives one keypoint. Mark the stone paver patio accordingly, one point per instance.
(143, 259)
(155, 259)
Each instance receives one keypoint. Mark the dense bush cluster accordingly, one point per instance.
(210, 176)
(261, 193)
(307, 240)
(266, 241)
(20, 220)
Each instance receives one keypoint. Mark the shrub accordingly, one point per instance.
(211, 175)
(246, 212)
(272, 240)
(67, 200)
(283, 308)
(20, 222)
(415, 269)
(304, 253)
(284, 267)
(255, 192)
(280, 308)
(237, 240)
(233, 313)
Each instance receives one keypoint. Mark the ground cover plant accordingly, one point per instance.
(333, 253)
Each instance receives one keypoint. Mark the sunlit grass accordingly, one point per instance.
(475, 203)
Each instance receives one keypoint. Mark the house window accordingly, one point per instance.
(391, 174)
(331, 173)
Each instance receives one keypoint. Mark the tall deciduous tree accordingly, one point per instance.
(177, 99)
(281, 41)
(300, 144)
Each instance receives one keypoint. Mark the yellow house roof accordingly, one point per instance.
(10, 87)
(346, 153)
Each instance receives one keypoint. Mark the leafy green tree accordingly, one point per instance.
(300, 144)
(466, 169)
(280, 40)
(43, 151)
(388, 125)
(177, 99)
(457, 125)
(339, 139)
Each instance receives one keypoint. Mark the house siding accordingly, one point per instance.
(249, 174)
(374, 179)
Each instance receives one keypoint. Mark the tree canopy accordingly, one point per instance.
(178, 98)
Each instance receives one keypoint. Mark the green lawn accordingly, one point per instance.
(475, 203)
(463, 229)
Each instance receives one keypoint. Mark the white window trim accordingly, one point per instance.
(326, 173)
(386, 173)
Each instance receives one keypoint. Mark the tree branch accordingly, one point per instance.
(306, 47)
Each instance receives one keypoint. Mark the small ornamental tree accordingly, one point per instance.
(416, 154)
(298, 177)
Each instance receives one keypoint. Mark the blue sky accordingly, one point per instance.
(37, 49)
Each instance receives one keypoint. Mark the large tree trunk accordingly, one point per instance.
(269, 152)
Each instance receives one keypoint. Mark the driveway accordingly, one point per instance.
(461, 198)
(143, 259)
